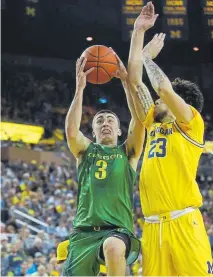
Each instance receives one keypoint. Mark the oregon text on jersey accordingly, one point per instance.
(105, 157)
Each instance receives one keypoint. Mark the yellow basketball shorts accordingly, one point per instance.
(177, 247)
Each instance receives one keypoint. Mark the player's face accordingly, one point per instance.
(161, 111)
(106, 128)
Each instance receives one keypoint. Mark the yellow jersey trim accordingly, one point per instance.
(187, 137)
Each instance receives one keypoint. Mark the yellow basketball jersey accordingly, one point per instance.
(172, 153)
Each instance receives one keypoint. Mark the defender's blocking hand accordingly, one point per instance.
(153, 48)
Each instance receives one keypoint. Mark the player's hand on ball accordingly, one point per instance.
(81, 76)
(121, 72)
(147, 18)
(153, 48)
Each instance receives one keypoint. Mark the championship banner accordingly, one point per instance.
(175, 20)
(207, 7)
(130, 10)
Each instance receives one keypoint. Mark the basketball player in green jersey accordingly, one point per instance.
(103, 225)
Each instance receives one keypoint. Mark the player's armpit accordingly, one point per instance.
(135, 141)
(78, 145)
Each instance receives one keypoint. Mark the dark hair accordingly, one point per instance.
(190, 92)
(108, 111)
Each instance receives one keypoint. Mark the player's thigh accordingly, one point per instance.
(81, 259)
(191, 251)
(156, 259)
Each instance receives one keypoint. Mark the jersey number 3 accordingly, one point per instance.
(160, 144)
(101, 173)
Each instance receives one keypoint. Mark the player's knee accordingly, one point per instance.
(114, 249)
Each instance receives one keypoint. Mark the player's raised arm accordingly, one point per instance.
(163, 86)
(77, 142)
(136, 132)
(141, 96)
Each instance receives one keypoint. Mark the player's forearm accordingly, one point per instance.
(142, 100)
(135, 65)
(157, 77)
(164, 89)
(74, 115)
(129, 100)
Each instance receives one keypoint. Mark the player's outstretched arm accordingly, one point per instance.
(77, 142)
(136, 132)
(162, 85)
(141, 96)
(144, 21)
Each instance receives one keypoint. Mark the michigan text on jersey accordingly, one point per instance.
(161, 131)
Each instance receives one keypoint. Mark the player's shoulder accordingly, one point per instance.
(193, 130)
(196, 114)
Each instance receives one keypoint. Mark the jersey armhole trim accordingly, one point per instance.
(187, 137)
(84, 154)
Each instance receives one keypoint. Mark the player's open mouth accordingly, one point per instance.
(106, 131)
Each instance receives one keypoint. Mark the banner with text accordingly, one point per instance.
(175, 20)
(207, 7)
(130, 10)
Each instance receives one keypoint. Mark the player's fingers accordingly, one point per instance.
(117, 57)
(77, 64)
(144, 10)
(119, 60)
(151, 9)
(89, 71)
(161, 38)
(155, 18)
(115, 74)
(160, 35)
(158, 39)
(83, 65)
(80, 60)
(155, 38)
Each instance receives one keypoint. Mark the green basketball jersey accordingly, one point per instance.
(106, 181)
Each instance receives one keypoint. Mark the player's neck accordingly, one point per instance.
(168, 119)
(108, 144)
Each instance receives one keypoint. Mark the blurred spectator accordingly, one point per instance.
(31, 266)
(61, 230)
(42, 271)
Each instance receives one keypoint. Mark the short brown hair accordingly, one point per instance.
(108, 111)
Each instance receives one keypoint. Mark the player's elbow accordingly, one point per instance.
(163, 91)
(164, 88)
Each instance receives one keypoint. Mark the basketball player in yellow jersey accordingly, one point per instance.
(174, 239)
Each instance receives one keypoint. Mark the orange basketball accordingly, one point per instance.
(104, 61)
